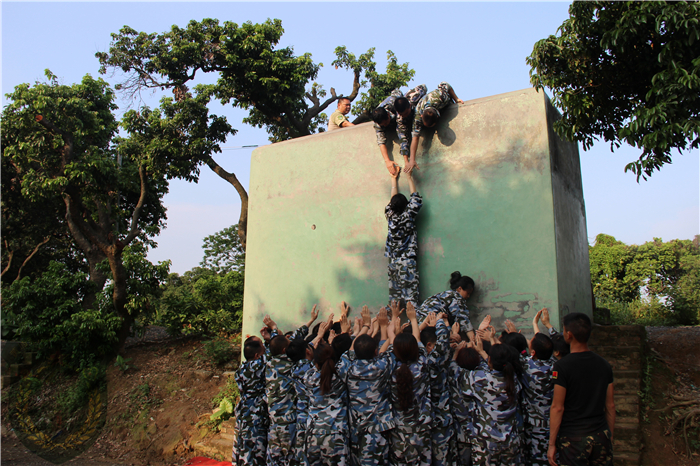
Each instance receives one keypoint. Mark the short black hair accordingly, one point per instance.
(579, 324)
(516, 340)
(379, 115)
(278, 345)
(542, 346)
(296, 350)
(252, 347)
(341, 98)
(365, 347)
(430, 117)
(340, 345)
(428, 335)
(401, 104)
(398, 203)
(559, 345)
(457, 280)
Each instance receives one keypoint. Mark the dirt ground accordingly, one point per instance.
(154, 409)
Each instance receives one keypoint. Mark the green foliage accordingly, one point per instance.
(77, 395)
(219, 350)
(122, 363)
(223, 252)
(201, 301)
(626, 72)
(225, 401)
(47, 312)
(656, 283)
(272, 83)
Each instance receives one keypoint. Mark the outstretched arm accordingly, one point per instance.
(411, 163)
(556, 413)
(411, 314)
(390, 165)
(395, 183)
(412, 183)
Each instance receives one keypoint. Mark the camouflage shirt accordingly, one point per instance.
(300, 369)
(329, 412)
(368, 383)
(495, 417)
(402, 239)
(538, 389)
(438, 361)
(451, 303)
(403, 125)
(280, 390)
(421, 411)
(463, 406)
(437, 99)
(252, 405)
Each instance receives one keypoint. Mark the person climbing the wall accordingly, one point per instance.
(428, 114)
(396, 110)
(402, 241)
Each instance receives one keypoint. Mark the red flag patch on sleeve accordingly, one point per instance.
(555, 374)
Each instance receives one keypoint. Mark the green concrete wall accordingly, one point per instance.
(502, 203)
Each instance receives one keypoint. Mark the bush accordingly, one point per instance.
(47, 312)
(75, 397)
(220, 350)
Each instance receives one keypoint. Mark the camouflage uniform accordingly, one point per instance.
(463, 411)
(537, 399)
(410, 440)
(496, 440)
(403, 125)
(280, 393)
(328, 431)
(451, 303)
(437, 99)
(579, 450)
(250, 440)
(401, 249)
(443, 428)
(369, 405)
(301, 367)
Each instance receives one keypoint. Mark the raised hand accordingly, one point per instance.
(344, 324)
(344, 309)
(331, 337)
(455, 329)
(510, 326)
(410, 311)
(485, 322)
(269, 322)
(366, 318)
(545, 318)
(383, 318)
(431, 319)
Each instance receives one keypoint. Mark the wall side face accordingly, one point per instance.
(317, 230)
(574, 273)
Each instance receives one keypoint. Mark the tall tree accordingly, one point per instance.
(626, 72)
(62, 142)
(223, 252)
(273, 84)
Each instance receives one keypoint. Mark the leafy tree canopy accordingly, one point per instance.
(626, 72)
(272, 83)
(667, 274)
(223, 252)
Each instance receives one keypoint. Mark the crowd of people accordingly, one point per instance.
(417, 384)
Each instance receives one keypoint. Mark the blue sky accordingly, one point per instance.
(480, 48)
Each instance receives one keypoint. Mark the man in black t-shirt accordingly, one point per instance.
(582, 417)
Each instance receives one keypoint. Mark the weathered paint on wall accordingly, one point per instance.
(502, 203)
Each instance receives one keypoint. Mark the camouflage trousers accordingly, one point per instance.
(300, 445)
(535, 443)
(463, 453)
(327, 449)
(403, 280)
(590, 450)
(280, 447)
(489, 453)
(249, 446)
(369, 448)
(411, 445)
(443, 445)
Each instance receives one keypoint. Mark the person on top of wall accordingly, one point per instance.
(339, 118)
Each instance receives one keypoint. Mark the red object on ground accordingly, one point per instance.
(202, 461)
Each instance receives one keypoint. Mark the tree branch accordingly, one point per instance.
(36, 249)
(9, 261)
(133, 230)
(231, 178)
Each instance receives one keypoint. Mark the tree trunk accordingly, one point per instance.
(119, 295)
(231, 178)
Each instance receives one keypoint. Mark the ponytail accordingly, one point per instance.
(323, 357)
(404, 386)
(406, 350)
(509, 374)
(504, 359)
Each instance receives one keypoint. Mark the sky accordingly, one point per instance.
(478, 47)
